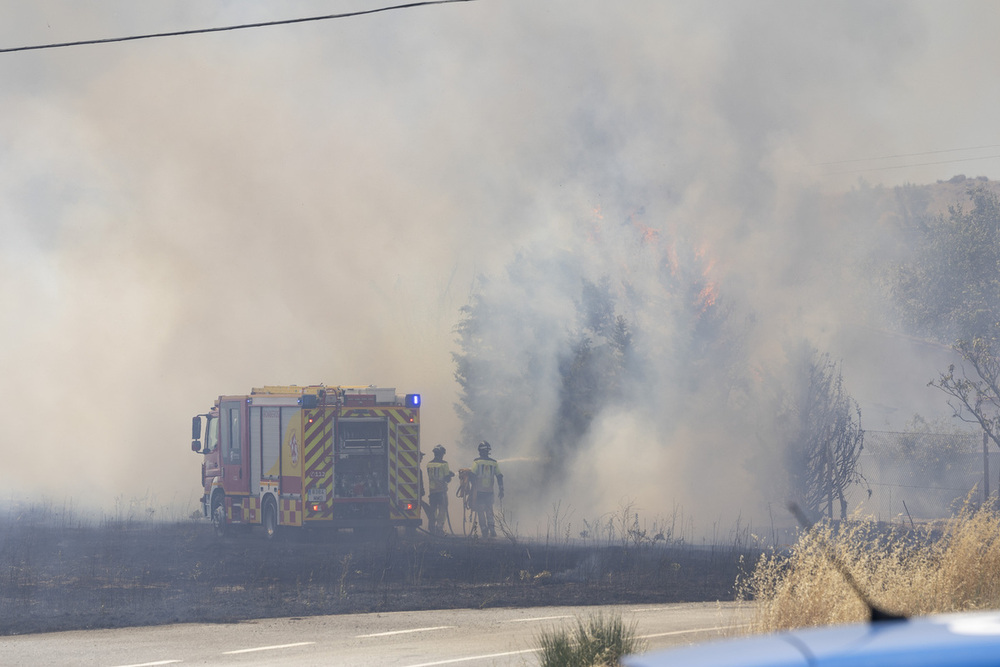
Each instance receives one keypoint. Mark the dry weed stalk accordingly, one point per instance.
(913, 572)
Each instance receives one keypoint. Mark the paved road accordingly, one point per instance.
(407, 639)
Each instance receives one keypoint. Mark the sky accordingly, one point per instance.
(193, 216)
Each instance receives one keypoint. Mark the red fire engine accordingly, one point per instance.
(312, 456)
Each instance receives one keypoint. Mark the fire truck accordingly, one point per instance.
(311, 456)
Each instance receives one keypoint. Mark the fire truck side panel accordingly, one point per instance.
(291, 452)
(404, 489)
(271, 442)
(318, 461)
(254, 425)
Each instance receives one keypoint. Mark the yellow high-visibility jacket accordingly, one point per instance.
(486, 471)
(438, 476)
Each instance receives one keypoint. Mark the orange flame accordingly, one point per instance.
(709, 294)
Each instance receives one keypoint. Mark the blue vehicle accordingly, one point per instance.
(967, 639)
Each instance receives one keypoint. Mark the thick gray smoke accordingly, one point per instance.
(193, 216)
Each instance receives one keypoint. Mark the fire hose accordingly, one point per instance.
(464, 491)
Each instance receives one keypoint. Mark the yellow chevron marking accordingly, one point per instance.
(317, 429)
(311, 457)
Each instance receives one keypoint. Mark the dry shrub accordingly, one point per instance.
(913, 572)
(596, 642)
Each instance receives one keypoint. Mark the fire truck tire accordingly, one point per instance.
(219, 515)
(269, 519)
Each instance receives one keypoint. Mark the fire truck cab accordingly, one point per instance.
(311, 456)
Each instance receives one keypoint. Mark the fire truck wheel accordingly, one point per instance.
(269, 519)
(219, 516)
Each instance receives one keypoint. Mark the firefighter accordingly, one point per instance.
(438, 476)
(485, 471)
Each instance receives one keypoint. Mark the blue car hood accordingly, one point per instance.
(963, 639)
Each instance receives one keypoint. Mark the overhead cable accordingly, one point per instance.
(243, 26)
(917, 164)
(902, 155)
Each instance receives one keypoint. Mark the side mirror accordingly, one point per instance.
(196, 434)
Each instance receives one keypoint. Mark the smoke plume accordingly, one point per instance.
(194, 216)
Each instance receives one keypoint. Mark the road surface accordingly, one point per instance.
(463, 637)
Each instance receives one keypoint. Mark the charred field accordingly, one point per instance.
(66, 575)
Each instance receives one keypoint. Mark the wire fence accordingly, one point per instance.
(913, 477)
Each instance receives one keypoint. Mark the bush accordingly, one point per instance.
(598, 641)
(954, 567)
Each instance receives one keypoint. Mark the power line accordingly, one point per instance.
(902, 155)
(917, 164)
(243, 26)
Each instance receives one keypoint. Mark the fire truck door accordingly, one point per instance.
(234, 441)
(255, 450)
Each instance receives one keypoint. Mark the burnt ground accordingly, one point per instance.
(63, 576)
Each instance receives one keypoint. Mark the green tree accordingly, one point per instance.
(950, 291)
(950, 288)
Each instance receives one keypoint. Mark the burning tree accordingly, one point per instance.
(583, 369)
(824, 436)
(593, 370)
(619, 319)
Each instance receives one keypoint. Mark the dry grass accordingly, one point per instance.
(951, 567)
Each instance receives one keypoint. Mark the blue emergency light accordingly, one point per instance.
(413, 400)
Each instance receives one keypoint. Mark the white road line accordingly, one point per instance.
(404, 632)
(540, 618)
(476, 657)
(267, 648)
(471, 658)
(153, 664)
(684, 632)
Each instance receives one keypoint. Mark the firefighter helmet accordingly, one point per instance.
(484, 447)
(438, 450)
